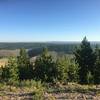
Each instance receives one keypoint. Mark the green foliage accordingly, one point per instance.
(90, 78)
(73, 71)
(36, 87)
(85, 57)
(62, 69)
(84, 68)
(45, 69)
(4, 74)
(67, 69)
(38, 94)
(13, 70)
(97, 67)
(25, 68)
(9, 73)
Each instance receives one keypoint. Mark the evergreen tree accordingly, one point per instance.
(73, 71)
(9, 73)
(4, 74)
(25, 68)
(62, 65)
(45, 69)
(85, 57)
(97, 66)
(13, 70)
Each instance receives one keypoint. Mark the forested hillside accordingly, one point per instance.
(34, 49)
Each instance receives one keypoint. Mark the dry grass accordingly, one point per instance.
(3, 62)
(8, 53)
(71, 91)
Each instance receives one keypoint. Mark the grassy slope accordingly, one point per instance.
(53, 91)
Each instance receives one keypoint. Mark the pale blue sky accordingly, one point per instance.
(49, 20)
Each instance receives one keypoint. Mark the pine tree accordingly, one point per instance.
(73, 71)
(13, 70)
(97, 66)
(4, 75)
(85, 57)
(9, 73)
(25, 68)
(45, 69)
(62, 65)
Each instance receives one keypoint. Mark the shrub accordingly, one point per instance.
(36, 87)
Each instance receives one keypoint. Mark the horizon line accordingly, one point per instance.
(40, 41)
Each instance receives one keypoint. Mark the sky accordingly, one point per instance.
(49, 20)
